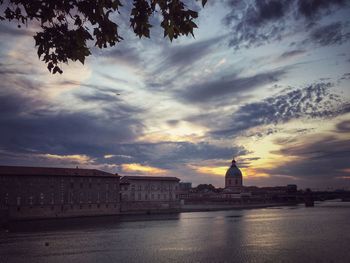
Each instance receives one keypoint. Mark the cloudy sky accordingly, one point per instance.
(264, 81)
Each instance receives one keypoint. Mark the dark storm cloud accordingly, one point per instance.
(227, 86)
(122, 53)
(98, 97)
(169, 155)
(16, 69)
(64, 133)
(112, 78)
(30, 129)
(30, 124)
(343, 127)
(262, 21)
(292, 53)
(329, 34)
(320, 158)
(178, 61)
(173, 122)
(93, 87)
(186, 55)
(314, 101)
(311, 8)
(14, 31)
(345, 76)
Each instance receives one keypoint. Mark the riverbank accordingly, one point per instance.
(142, 215)
(219, 207)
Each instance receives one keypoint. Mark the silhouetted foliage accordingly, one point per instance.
(67, 25)
(209, 187)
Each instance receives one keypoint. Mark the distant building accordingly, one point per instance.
(185, 186)
(140, 193)
(234, 178)
(40, 192)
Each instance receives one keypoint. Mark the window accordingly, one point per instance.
(158, 196)
(71, 197)
(139, 197)
(152, 196)
(146, 197)
(41, 198)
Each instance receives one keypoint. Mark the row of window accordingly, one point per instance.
(150, 187)
(62, 182)
(62, 198)
(72, 207)
(236, 181)
(149, 197)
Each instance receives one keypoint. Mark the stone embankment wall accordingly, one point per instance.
(149, 206)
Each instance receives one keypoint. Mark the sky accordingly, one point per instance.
(265, 82)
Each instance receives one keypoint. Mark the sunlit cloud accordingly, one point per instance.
(221, 171)
(108, 156)
(83, 159)
(139, 168)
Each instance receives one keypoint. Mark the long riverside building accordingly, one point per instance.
(149, 193)
(40, 192)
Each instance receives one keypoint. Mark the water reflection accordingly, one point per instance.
(320, 234)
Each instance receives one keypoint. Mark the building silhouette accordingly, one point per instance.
(234, 178)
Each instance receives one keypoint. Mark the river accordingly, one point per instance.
(278, 234)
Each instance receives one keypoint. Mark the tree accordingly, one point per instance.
(68, 25)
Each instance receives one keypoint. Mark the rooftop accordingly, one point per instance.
(52, 171)
(152, 178)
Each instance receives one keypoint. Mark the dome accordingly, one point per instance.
(234, 171)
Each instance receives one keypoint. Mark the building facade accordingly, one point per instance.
(39, 192)
(234, 178)
(147, 193)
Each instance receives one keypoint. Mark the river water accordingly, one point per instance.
(282, 234)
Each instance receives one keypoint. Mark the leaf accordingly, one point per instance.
(50, 66)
